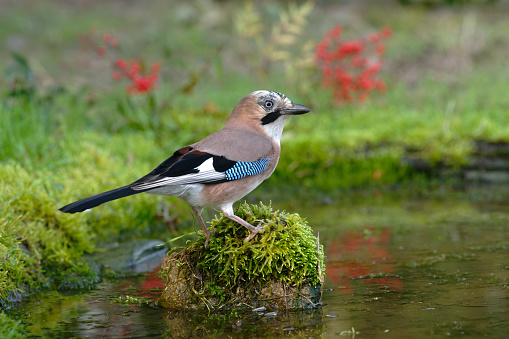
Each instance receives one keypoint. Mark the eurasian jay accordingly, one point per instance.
(223, 167)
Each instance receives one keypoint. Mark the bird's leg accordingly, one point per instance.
(254, 229)
(197, 214)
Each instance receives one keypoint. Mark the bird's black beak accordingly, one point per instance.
(295, 110)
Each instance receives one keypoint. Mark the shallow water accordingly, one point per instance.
(399, 265)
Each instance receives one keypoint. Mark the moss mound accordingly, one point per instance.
(281, 267)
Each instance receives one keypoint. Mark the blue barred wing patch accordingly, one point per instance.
(242, 169)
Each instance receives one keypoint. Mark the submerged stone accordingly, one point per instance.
(136, 256)
(280, 268)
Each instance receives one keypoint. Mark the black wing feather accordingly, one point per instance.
(98, 199)
(222, 164)
(183, 161)
(164, 166)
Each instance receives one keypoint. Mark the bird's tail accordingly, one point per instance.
(98, 199)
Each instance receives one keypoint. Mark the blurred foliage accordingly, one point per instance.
(11, 329)
(433, 3)
(279, 41)
(19, 78)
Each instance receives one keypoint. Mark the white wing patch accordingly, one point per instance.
(206, 173)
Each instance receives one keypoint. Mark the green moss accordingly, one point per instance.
(11, 329)
(36, 237)
(14, 262)
(130, 300)
(284, 261)
(286, 251)
(322, 165)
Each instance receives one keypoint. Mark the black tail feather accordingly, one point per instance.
(98, 199)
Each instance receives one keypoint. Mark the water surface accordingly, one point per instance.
(399, 265)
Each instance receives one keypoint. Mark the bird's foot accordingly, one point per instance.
(208, 236)
(254, 231)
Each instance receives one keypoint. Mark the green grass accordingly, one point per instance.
(67, 131)
(11, 329)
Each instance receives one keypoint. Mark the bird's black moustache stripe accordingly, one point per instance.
(271, 117)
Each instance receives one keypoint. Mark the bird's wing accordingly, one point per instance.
(190, 166)
(238, 144)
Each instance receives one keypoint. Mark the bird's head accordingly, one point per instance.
(267, 111)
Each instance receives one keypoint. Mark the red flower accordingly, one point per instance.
(374, 37)
(380, 49)
(155, 67)
(113, 43)
(116, 75)
(130, 70)
(350, 47)
(121, 63)
(335, 32)
(387, 32)
(101, 50)
(351, 68)
(366, 83)
(138, 83)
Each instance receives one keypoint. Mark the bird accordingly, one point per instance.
(220, 169)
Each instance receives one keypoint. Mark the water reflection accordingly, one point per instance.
(181, 324)
(362, 254)
(398, 266)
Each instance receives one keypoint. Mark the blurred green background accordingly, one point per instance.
(69, 130)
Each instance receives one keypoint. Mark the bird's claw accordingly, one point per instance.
(208, 236)
(255, 231)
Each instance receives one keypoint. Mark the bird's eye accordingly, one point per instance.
(269, 104)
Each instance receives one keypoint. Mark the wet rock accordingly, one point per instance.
(483, 176)
(259, 309)
(184, 289)
(488, 163)
(11, 300)
(136, 256)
